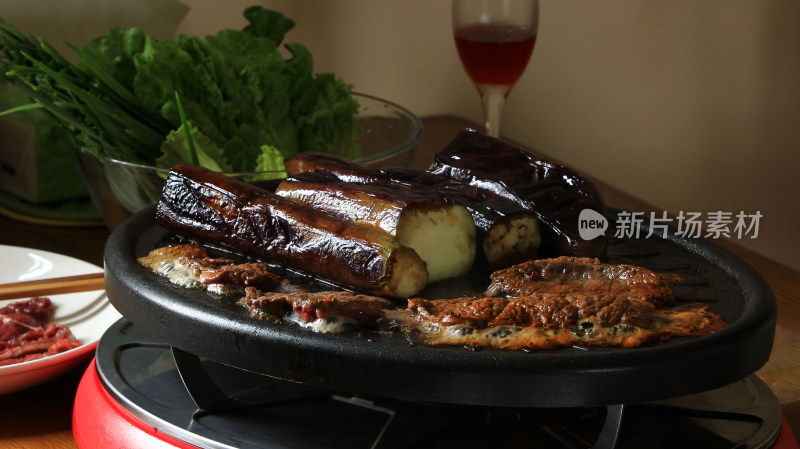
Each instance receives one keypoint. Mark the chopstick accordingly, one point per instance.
(53, 286)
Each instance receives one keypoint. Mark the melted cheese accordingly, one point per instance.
(331, 324)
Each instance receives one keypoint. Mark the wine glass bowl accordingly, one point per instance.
(495, 40)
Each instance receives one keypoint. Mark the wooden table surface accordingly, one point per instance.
(40, 417)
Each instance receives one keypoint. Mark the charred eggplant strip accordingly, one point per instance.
(506, 232)
(554, 192)
(443, 234)
(210, 207)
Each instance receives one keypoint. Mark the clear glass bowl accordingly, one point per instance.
(119, 189)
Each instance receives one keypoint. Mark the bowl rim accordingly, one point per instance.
(410, 142)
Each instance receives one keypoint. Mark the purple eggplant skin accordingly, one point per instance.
(556, 193)
(485, 207)
(442, 232)
(344, 169)
(358, 201)
(488, 210)
(206, 206)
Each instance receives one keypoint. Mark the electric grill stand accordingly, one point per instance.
(203, 403)
(210, 398)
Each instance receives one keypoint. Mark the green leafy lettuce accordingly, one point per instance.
(246, 107)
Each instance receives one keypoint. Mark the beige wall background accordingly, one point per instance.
(692, 105)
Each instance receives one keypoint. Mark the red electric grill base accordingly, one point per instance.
(142, 402)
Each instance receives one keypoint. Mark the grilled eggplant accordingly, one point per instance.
(507, 233)
(554, 192)
(442, 233)
(210, 207)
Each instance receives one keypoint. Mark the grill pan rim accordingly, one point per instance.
(603, 376)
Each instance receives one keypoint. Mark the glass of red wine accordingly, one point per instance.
(495, 40)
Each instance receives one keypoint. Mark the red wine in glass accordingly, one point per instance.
(494, 53)
(495, 40)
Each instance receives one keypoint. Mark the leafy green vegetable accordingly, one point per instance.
(326, 127)
(270, 160)
(176, 150)
(245, 107)
(268, 24)
(186, 126)
(97, 114)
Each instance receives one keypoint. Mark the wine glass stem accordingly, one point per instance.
(494, 99)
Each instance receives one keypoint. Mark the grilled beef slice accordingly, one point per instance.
(556, 293)
(339, 306)
(581, 276)
(190, 265)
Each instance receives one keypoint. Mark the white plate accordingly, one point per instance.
(87, 314)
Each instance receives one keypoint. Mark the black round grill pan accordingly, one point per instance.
(389, 365)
